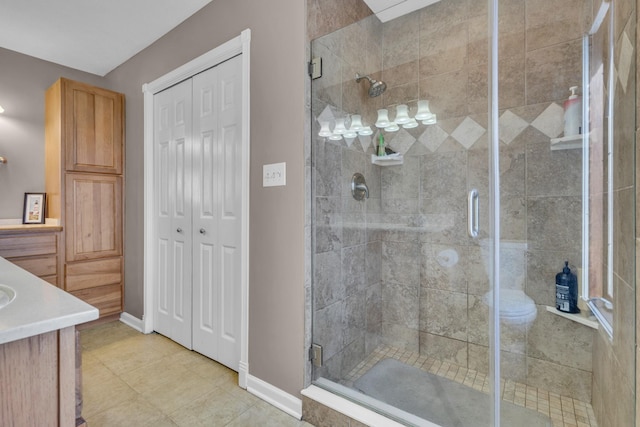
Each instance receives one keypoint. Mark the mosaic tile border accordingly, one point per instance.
(467, 132)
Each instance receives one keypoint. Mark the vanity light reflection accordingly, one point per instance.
(358, 127)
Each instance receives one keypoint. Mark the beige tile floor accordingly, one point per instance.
(563, 411)
(132, 379)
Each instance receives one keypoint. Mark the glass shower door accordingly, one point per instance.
(442, 209)
(401, 292)
(545, 355)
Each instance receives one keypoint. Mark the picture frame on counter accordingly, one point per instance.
(34, 208)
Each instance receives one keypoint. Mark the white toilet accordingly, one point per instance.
(515, 307)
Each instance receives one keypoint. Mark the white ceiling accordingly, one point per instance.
(98, 35)
(89, 35)
(387, 10)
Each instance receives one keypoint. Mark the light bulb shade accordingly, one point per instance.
(423, 112)
(335, 137)
(410, 124)
(393, 127)
(356, 123)
(431, 120)
(402, 114)
(340, 128)
(324, 130)
(383, 118)
(350, 134)
(365, 131)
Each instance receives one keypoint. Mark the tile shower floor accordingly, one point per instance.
(563, 411)
(133, 379)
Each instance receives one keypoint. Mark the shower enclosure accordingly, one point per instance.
(476, 204)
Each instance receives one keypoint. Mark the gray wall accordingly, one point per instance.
(276, 293)
(23, 81)
(276, 298)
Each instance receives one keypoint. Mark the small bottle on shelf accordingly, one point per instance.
(381, 150)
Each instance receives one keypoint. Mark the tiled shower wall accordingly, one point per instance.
(347, 258)
(382, 267)
(614, 365)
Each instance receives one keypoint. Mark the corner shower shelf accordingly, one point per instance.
(390, 160)
(566, 142)
(576, 317)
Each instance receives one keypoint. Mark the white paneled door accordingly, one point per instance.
(172, 109)
(197, 159)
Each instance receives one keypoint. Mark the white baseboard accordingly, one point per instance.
(276, 397)
(132, 322)
(243, 374)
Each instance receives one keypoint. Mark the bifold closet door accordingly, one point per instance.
(173, 181)
(198, 155)
(217, 197)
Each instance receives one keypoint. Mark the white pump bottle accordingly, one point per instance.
(573, 114)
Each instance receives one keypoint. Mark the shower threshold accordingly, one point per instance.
(439, 399)
(562, 411)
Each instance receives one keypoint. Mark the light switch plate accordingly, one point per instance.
(274, 175)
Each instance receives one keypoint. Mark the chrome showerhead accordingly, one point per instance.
(375, 87)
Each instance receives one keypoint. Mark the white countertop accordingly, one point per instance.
(38, 307)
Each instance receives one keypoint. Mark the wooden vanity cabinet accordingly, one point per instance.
(84, 150)
(39, 381)
(34, 248)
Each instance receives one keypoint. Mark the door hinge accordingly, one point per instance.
(315, 68)
(315, 354)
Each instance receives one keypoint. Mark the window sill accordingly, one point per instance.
(576, 317)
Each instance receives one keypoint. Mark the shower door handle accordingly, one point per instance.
(473, 213)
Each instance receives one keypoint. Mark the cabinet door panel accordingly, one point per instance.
(94, 216)
(94, 129)
(30, 381)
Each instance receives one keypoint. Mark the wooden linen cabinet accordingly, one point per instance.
(84, 145)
